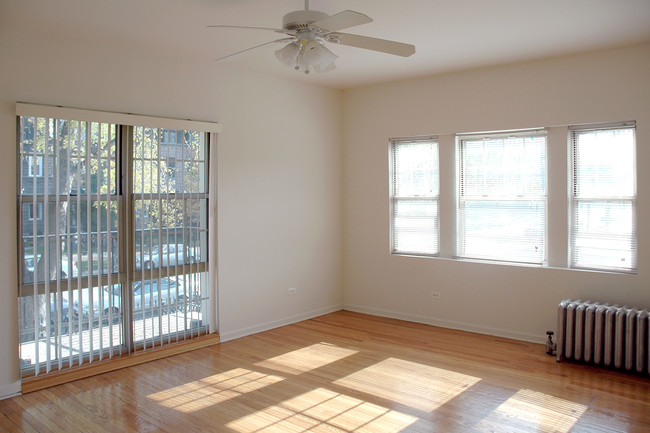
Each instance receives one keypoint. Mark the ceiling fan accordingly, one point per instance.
(307, 32)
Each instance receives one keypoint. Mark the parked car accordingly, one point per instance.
(170, 255)
(170, 293)
(148, 296)
(103, 299)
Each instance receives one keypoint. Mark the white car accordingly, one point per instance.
(171, 255)
(148, 296)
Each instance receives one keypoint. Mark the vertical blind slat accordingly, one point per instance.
(46, 246)
(57, 230)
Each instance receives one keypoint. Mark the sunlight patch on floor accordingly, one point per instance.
(529, 410)
(323, 410)
(307, 358)
(215, 389)
(410, 383)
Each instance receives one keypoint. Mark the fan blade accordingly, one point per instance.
(256, 46)
(248, 27)
(368, 43)
(342, 20)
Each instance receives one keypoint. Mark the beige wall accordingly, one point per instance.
(279, 170)
(512, 301)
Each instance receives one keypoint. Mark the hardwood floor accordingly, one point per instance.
(345, 372)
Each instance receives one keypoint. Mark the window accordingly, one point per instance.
(170, 230)
(35, 165)
(502, 196)
(38, 214)
(117, 260)
(602, 231)
(414, 196)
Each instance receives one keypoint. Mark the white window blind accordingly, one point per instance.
(414, 196)
(502, 196)
(603, 200)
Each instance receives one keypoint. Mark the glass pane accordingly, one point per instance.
(169, 173)
(415, 169)
(604, 235)
(69, 224)
(503, 230)
(161, 166)
(415, 226)
(169, 307)
(67, 157)
(60, 331)
(68, 246)
(604, 163)
(512, 166)
(170, 232)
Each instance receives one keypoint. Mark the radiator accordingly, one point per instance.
(604, 334)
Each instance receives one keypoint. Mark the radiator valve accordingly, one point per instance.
(550, 346)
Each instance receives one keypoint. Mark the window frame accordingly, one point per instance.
(462, 198)
(395, 199)
(573, 199)
(39, 211)
(126, 274)
(39, 165)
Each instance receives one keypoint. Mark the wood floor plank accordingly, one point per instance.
(345, 372)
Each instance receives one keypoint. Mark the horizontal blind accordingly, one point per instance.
(415, 197)
(602, 231)
(502, 196)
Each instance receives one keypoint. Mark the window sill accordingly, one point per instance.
(517, 264)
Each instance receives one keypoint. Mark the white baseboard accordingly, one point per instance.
(243, 332)
(446, 323)
(11, 390)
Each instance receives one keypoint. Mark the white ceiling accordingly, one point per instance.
(448, 34)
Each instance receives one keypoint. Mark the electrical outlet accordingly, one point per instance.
(291, 291)
(435, 295)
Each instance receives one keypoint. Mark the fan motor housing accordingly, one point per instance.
(301, 19)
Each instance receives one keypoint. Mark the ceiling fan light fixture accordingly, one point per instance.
(315, 54)
(287, 55)
(307, 55)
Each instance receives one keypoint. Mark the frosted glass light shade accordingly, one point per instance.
(306, 56)
(287, 54)
(316, 55)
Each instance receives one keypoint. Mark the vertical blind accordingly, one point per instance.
(415, 197)
(602, 231)
(502, 196)
(113, 223)
(69, 234)
(169, 197)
